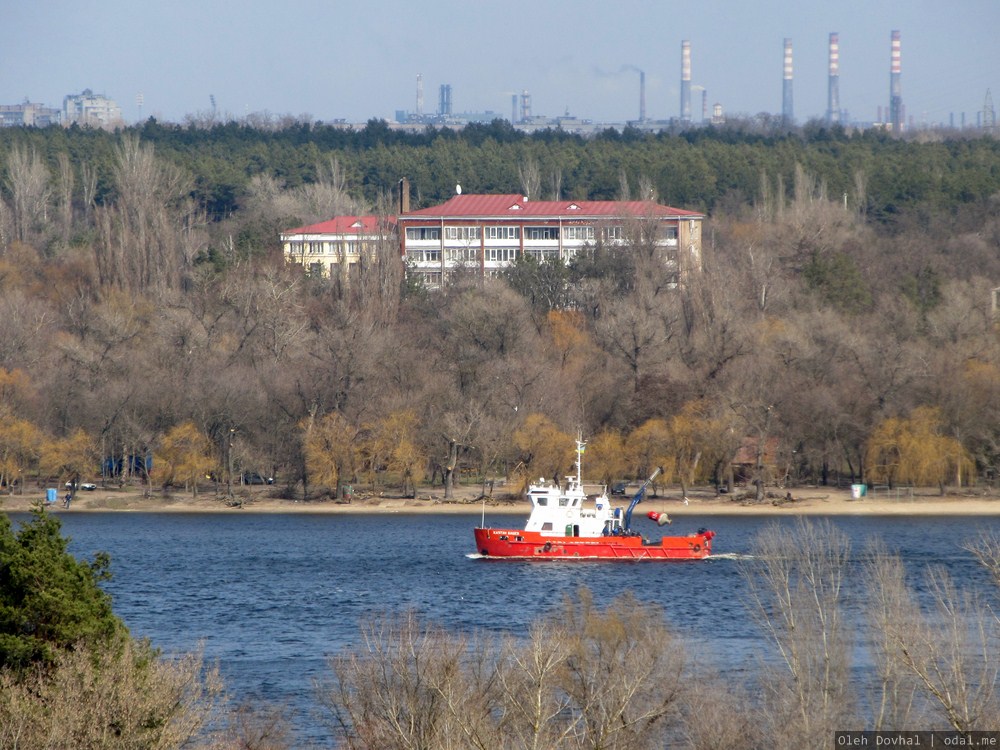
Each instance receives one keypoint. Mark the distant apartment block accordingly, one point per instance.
(88, 108)
(336, 247)
(28, 115)
(484, 234)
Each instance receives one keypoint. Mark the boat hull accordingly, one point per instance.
(529, 545)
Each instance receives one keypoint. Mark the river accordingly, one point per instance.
(271, 597)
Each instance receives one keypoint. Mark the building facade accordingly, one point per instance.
(335, 248)
(28, 115)
(486, 233)
(88, 108)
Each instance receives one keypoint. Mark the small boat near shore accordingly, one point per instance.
(568, 524)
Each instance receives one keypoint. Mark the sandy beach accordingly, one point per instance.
(468, 499)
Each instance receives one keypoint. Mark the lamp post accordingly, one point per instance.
(229, 481)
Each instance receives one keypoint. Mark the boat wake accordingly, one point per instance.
(729, 556)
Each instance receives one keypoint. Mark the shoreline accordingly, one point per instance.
(467, 501)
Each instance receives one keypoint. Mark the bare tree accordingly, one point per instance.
(530, 175)
(28, 183)
(794, 587)
(584, 678)
(141, 243)
(945, 651)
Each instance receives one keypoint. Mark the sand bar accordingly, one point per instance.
(467, 500)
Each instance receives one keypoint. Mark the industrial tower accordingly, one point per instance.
(787, 110)
(895, 87)
(685, 81)
(833, 82)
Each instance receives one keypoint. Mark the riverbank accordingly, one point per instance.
(796, 501)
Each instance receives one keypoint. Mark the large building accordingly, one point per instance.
(88, 108)
(336, 247)
(486, 233)
(28, 115)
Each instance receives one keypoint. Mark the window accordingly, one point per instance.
(423, 255)
(501, 254)
(462, 254)
(541, 233)
(503, 233)
(614, 233)
(542, 253)
(316, 269)
(547, 526)
(461, 233)
(423, 233)
(563, 501)
(670, 233)
(578, 233)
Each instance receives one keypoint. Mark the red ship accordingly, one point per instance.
(567, 524)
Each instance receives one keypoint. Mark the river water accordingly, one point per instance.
(272, 597)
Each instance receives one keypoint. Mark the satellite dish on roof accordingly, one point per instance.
(458, 189)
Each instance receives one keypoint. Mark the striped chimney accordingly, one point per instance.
(787, 110)
(833, 84)
(685, 81)
(895, 86)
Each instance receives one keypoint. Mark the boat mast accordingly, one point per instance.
(580, 445)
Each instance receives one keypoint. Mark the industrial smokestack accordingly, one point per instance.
(704, 106)
(525, 106)
(833, 82)
(420, 94)
(404, 196)
(444, 100)
(787, 110)
(896, 87)
(642, 96)
(685, 81)
(513, 109)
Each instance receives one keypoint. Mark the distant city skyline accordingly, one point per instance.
(356, 61)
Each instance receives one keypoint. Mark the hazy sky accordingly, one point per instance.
(344, 59)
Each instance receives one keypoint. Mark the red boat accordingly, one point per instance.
(567, 524)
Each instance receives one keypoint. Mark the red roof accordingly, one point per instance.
(342, 225)
(513, 205)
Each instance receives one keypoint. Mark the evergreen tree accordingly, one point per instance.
(49, 600)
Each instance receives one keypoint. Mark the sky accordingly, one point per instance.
(351, 60)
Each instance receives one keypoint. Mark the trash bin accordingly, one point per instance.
(50, 495)
(858, 491)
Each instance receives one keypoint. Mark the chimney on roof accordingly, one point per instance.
(404, 196)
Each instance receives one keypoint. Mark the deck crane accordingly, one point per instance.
(637, 498)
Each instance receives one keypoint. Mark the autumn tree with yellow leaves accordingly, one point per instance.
(20, 448)
(333, 451)
(545, 450)
(69, 458)
(392, 446)
(605, 454)
(185, 455)
(648, 447)
(913, 450)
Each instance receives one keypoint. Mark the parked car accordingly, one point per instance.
(83, 486)
(618, 488)
(252, 477)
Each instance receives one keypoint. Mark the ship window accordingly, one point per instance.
(563, 501)
(541, 500)
(547, 526)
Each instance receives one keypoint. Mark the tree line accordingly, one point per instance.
(843, 320)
